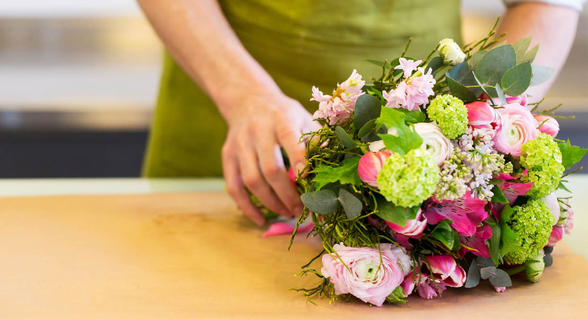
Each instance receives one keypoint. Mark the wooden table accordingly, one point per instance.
(192, 256)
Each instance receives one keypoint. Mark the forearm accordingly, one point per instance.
(552, 27)
(200, 39)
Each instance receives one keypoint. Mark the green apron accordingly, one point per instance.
(300, 43)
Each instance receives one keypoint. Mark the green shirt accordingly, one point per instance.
(301, 43)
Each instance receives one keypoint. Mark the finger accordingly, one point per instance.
(289, 138)
(274, 171)
(255, 181)
(236, 190)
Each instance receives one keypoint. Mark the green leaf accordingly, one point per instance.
(541, 74)
(498, 195)
(500, 278)
(350, 203)
(406, 138)
(390, 212)
(517, 79)
(473, 275)
(494, 244)
(434, 64)
(460, 91)
(414, 116)
(509, 239)
(321, 202)
(562, 186)
(521, 47)
(444, 234)
(487, 272)
(475, 59)
(379, 63)
(367, 128)
(485, 262)
(571, 154)
(494, 64)
(462, 73)
(345, 138)
(500, 94)
(530, 55)
(366, 108)
(346, 173)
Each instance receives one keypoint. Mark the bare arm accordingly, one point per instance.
(552, 27)
(260, 117)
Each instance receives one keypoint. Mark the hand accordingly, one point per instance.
(258, 127)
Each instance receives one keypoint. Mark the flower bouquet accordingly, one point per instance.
(438, 167)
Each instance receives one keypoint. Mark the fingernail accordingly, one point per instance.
(300, 167)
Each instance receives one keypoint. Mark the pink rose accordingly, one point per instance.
(370, 165)
(413, 227)
(519, 126)
(482, 115)
(368, 280)
(547, 125)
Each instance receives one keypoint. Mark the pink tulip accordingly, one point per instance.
(370, 165)
(444, 269)
(426, 287)
(519, 126)
(482, 115)
(556, 235)
(547, 125)
(413, 227)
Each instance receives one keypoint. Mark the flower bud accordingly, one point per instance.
(482, 115)
(534, 268)
(548, 125)
(412, 227)
(451, 52)
(370, 165)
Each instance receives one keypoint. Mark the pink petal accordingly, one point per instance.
(281, 228)
(512, 190)
(441, 265)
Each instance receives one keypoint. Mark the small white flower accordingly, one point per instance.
(451, 52)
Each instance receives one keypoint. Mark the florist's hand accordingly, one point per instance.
(251, 156)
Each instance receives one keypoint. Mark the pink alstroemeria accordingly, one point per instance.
(512, 190)
(370, 165)
(426, 287)
(412, 228)
(477, 243)
(547, 125)
(408, 66)
(482, 115)
(444, 269)
(466, 213)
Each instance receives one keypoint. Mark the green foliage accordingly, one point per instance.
(390, 212)
(346, 140)
(345, 173)
(462, 84)
(473, 275)
(571, 154)
(444, 233)
(350, 203)
(494, 244)
(475, 59)
(498, 195)
(321, 202)
(516, 80)
(494, 65)
(406, 138)
(541, 74)
(367, 128)
(366, 108)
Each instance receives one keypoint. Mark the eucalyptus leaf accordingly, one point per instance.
(321, 202)
(517, 79)
(367, 128)
(346, 140)
(370, 137)
(350, 203)
(473, 275)
(500, 94)
(390, 212)
(521, 47)
(541, 74)
(435, 64)
(494, 64)
(500, 279)
(487, 272)
(475, 59)
(460, 91)
(530, 55)
(485, 262)
(366, 108)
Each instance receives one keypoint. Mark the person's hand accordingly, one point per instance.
(258, 126)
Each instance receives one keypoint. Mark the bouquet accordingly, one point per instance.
(438, 174)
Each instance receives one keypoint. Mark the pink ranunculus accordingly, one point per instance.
(547, 125)
(521, 100)
(372, 277)
(482, 115)
(518, 127)
(556, 235)
(413, 227)
(444, 269)
(553, 205)
(370, 165)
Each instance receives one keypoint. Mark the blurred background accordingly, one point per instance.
(78, 81)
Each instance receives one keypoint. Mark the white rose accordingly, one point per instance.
(451, 52)
(434, 142)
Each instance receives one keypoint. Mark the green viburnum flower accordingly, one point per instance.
(408, 180)
(450, 114)
(532, 222)
(543, 159)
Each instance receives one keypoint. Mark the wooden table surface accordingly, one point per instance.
(192, 256)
